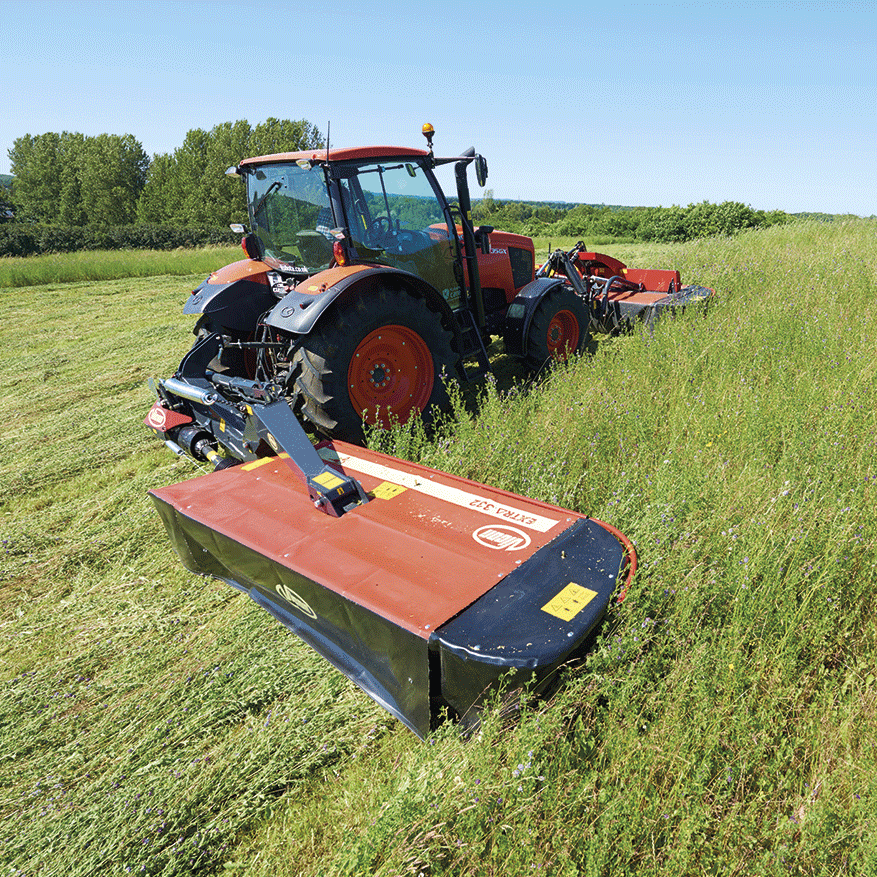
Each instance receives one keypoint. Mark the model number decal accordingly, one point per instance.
(445, 492)
(497, 511)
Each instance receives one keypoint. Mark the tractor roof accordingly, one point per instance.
(352, 153)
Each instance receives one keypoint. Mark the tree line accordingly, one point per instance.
(71, 191)
(600, 223)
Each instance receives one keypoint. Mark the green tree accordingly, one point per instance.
(6, 209)
(190, 187)
(484, 208)
(664, 225)
(36, 165)
(70, 208)
(112, 173)
(71, 179)
(159, 196)
(190, 169)
(222, 198)
(282, 135)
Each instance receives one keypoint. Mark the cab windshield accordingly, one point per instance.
(290, 212)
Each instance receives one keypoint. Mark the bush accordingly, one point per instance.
(652, 224)
(18, 240)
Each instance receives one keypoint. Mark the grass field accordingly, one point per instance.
(726, 722)
(112, 265)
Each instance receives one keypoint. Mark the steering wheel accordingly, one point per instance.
(381, 227)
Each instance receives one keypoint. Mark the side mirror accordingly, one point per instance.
(480, 170)
(252, 245)
(482, 238)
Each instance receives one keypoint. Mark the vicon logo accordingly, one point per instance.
(156, 417)
(501, 537)
(163, 419)
(296, 600)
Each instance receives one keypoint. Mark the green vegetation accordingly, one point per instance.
(726, 722)
(113, 265)
(118, 264)
(34, 239)
(189, 187)
(71, 192)
(72, 181)
(601, 223)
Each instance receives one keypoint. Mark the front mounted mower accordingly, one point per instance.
(425, 589)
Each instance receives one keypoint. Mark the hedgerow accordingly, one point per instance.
(31, 239)
(604, 223)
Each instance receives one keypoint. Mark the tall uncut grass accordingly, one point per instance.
(119, 264)
(726, 723)
(111, 265)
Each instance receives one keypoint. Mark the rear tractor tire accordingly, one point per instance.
(559, 328)
(379, 357)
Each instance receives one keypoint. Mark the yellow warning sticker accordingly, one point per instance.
(387, 490)
(328, 480)
(569, 602)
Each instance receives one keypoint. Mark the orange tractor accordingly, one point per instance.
(365, 285)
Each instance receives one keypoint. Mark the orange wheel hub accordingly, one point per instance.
(390, 375)
(563, 334)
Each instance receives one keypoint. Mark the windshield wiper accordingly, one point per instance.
(272, 188)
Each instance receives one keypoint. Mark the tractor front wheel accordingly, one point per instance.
(377, 357)
(559, 327)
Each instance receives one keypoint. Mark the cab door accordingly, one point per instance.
(396, 217)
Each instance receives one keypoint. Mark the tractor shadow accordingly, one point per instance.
(512, 375)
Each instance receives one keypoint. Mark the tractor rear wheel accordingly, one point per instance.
(559, 328)
(379, 357)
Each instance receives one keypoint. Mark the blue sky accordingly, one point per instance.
(770, 103)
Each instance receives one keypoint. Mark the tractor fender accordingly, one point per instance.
(520, 313)
(299, 310)
(234, 297)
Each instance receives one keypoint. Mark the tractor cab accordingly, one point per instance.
(379, 205)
